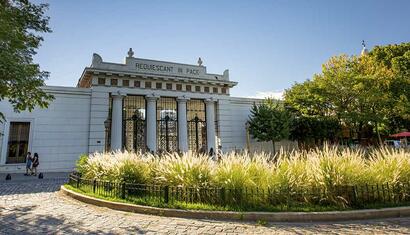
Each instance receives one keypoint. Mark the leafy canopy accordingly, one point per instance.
(21, 79)
(371, 90)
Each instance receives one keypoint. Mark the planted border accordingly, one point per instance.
(248, 199)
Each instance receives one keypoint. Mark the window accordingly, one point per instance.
(137, 84)
(197, 88)
(224, 90)
(114, 82)
(169, 86)
(101, 81)
(158, 85)
(126, 83)
(179, 87)
(148, 85)
(206, 89)
(188, 88)
(17, 146)
(215, 90)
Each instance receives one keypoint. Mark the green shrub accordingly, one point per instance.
(82, 164)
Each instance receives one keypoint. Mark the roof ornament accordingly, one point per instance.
(364, 50)
(130, 53)
(200, 61)
(96, 60)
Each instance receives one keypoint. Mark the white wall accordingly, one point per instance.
(233, 113)
(98, 114)
(59, 134)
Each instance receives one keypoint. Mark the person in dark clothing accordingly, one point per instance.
(36, 162)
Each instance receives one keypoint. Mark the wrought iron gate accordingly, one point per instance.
(134, 123)
(196, 116)
(167, 125)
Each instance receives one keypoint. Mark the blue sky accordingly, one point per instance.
(266, 45)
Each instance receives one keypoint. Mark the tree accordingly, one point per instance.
(370, 91)
(397, 59)
(313, 130)
(269, 121)
(21, 79)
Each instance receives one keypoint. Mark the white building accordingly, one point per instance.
(137, 105)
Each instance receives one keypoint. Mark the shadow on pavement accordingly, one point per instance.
(23, 220)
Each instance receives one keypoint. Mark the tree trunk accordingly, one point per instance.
(274, 149)
(378, 135)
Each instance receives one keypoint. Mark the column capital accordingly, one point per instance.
(210, 100)
(152, 97)
(118, 94)
(182, 99)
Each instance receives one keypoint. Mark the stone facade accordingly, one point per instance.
(95, 117)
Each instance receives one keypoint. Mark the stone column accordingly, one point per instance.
(116, 122)
(182, 124)
(151, 122)
(210, 124)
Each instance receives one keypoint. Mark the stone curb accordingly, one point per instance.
(245, 216)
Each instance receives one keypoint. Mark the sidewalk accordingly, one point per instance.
(16, 177)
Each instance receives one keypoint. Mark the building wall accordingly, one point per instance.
(59, 134)
(74, 124)
(233, 113)
(98, 114)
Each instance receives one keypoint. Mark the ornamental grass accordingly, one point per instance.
(321, 168)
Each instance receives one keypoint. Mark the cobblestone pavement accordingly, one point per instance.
(36, 207)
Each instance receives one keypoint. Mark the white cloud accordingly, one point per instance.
(268, 94)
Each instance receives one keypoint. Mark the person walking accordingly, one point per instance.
(29, 160)
(36, 162)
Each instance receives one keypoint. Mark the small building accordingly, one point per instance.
(139, 105)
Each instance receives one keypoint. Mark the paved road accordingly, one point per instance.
(36, 207)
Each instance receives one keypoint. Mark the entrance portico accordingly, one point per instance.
(162, 125)
(157, 105)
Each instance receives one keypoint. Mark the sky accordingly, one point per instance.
(266, 45)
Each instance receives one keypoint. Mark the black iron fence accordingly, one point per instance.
(359, 196)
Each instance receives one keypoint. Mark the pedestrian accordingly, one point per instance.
(36, 162)
(29, 160)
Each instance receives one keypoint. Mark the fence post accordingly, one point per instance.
(94, 185)
(288, 197)
(166, 194)
(78, 182)
(222, 196)
(123, 190)
(354, 202)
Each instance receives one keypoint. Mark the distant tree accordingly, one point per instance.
(314, 130)
(20, 78)
(269, 121)
(370, 92)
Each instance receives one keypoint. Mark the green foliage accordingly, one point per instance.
(269, 121)
(307, 129)
(20, 78)
(82, 164)
(371, 90)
